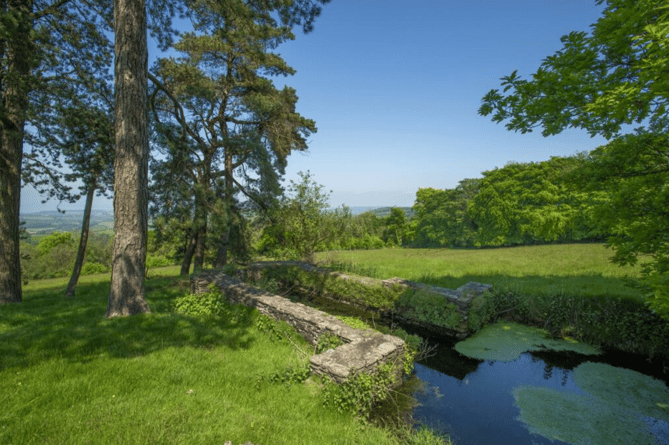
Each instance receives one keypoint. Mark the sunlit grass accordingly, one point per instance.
(573, 269)
(68, 375)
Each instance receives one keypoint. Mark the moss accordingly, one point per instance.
(431, 308)
(358, 290)
(506, 341)
(353, 322)
(625, 388)
(578, 419)
(480, 312)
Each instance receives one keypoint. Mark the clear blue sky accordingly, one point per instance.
(394, 87)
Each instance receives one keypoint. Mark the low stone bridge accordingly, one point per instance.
(362, 351)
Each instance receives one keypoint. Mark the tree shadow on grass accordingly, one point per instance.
(587, 285)
(48, 325)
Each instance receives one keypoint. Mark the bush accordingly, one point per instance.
(93, 268)
(208, 305)
(158, 261)
(361, 392)
(430, 308)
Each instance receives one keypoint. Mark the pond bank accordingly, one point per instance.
(620, 324)
(554, 372)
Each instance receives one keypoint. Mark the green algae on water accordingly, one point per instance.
(625, 388)
(578, 419)
(507, 341)
(611, 412)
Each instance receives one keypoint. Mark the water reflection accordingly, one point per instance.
(478, 407)
(472, 400)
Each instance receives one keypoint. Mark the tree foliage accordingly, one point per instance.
(604, 82)
(224, 128)
(529, 203)
(44, 46)
(442, 217)
(520, 203)
(599, 81)
(300, 218)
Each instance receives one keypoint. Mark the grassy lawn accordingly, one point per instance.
(70, 376)
(572, 269)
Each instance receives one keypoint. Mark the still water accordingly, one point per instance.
(472, 400)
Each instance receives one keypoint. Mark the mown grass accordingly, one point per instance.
(570, 269)
(70, 376)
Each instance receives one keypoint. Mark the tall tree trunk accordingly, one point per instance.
(188, 254)
(200, 247)
(222, 254)
(228, 169)
(131, 166)
(83, 240)
(201, 216)
(14, 87)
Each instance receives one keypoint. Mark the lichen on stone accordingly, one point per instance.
(507, 341)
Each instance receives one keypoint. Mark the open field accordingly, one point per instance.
(571, 269)
(68, 375)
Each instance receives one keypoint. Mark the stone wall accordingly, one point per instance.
(362, 351)
(461, 297)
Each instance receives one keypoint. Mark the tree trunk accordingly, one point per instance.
(126, 296)
(201, 216)
(14, 87)
(222, 254)
(83, 240)
(188, 254)
(200, 248)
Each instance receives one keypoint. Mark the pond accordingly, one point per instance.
(542, 396)
(510, 384)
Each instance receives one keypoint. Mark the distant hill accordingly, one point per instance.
(357, 210)
(49, 221)
(383, 212)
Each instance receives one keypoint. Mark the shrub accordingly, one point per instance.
(359, 393)
(327, 341)
(205, 305)
(93, 268)
(430, 308)
(158, 261)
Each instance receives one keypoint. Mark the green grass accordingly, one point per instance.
(70, 376)
(571, 269)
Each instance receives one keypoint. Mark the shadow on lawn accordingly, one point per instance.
(590, 285)
(48, 325)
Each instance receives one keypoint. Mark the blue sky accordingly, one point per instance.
(394, 87)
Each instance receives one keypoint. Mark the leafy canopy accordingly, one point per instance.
(599, 81)
(604, 82)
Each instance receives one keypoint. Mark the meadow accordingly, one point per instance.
(70, 376)
(562, 269)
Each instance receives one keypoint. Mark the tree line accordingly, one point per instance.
(518, 204)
